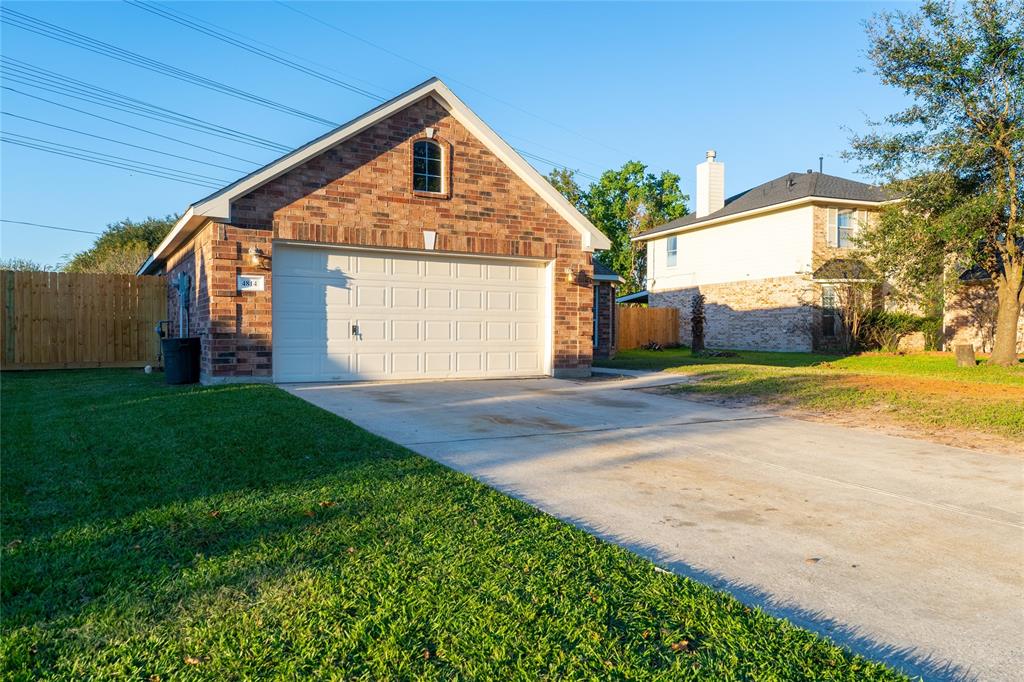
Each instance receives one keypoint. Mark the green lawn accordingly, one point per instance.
(920, 389)
(239, 533)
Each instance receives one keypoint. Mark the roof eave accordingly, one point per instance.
(714, 222)
(217, 206)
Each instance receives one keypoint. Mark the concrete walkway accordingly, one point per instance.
(906, 551)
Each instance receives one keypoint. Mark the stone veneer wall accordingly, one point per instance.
(359, 193)
(606, 323)
(766, 314)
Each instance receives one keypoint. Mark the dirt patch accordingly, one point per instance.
(871, 419)
(933, 387)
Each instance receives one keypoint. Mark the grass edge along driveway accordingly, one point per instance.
(158, 532)
(925, 390)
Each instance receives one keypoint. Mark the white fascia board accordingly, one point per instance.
(217, 206)
(592, 237)
(609, 278)
(172, 236)
(760, 211)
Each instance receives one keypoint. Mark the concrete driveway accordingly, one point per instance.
(903, 550)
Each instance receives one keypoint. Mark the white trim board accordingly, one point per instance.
(217, 206)
(785, 205)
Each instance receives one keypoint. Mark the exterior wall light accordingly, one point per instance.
(259, 259)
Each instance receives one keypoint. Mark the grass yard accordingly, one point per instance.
(920, 389)
(235, 532)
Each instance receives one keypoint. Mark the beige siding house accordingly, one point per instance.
(764, 259)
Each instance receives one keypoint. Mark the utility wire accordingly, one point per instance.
(160, 168)
(170, 15)
(44, 28)
(51, 81)
(275, 48)
(66, 86)
(126, 164)
(177, 18)
(48, 227)
(126, 144)
(128, 125)
(453, 80)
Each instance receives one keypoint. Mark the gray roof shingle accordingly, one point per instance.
(780, 190)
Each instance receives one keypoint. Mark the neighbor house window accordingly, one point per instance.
(829, 312)
(844, 228)
(427, 167)
(672, 249)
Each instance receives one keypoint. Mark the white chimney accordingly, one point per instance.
(710, 185)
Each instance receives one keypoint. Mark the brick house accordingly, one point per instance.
(767, 260)
(969, 311)
(411, 242)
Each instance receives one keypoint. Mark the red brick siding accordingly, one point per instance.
(359, 194)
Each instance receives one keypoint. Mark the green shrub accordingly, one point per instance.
(883, 329)
(932, 329)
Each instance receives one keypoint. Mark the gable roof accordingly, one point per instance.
(217, 206)
(789, 187)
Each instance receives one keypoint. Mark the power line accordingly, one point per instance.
(54, 32)
(51, 81)
(128, 125)
(180, 12)
(111, 156)
(453, 80)
(113, 164)
(48, 227)
(170, 15)
(126, 144)
(48, 81)
(554, 164)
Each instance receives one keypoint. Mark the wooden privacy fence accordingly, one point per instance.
(639, 326)
(55, 320)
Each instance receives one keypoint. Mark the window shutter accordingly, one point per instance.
(832, 228)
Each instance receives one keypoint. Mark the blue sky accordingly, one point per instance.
(769, 85)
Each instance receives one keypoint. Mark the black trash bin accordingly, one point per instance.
(181, 360)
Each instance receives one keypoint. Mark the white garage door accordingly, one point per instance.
(343, 315)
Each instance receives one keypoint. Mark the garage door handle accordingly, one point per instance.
(355, 330)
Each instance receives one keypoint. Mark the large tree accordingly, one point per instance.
(623, 203)
(956, 152)
(123, 247)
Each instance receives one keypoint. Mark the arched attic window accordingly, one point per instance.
(428, 167)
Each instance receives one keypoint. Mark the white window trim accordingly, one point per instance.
(671, 252)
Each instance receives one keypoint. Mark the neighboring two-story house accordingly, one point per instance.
(767, 260)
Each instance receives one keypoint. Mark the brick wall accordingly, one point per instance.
(970, 317)
(359, 193)
(606, 322)
(765, 314)
(821, 252)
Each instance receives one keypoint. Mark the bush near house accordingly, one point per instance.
(236, 532)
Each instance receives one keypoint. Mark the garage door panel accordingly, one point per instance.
(405, 297)
(437, 362)
(407, 331)
(416, 315)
